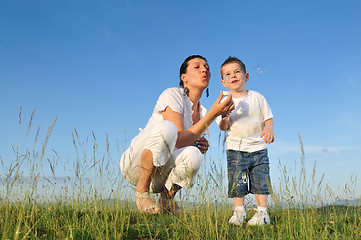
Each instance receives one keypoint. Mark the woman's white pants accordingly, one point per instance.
(174, 166)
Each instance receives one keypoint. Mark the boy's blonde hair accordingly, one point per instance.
(234, 60)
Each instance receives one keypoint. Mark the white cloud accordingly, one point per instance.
(283, 147)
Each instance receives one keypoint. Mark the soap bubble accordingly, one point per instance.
(226, 79)
(260, 70)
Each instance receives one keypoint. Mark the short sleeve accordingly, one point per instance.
(171, 97)
(265, 108)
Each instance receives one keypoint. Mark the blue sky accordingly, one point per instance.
(99, 67)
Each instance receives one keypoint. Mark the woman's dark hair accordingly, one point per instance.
(184, 66)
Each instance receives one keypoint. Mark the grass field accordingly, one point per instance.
(96, 220)
(91, 202)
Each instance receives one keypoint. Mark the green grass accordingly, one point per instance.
(120, 221)
(96, 203)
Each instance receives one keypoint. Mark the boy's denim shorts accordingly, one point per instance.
(247, 173)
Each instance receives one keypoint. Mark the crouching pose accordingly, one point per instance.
(166, 155)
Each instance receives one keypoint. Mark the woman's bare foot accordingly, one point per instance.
(169, 205)
(167, 202)
(145, 204)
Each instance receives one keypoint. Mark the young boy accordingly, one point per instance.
(249, 128)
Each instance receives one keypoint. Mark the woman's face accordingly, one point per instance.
(197, 74)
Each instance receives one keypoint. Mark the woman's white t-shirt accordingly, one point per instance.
(174, 98)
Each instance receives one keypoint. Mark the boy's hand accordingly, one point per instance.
(267, 135)
(226, 115)
(225, 122)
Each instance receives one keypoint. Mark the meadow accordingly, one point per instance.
(93, 201)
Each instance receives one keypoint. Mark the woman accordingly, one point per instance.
(166, 155)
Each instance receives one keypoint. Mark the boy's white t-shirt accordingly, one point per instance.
(247, 123)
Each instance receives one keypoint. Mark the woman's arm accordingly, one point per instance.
(187, 137)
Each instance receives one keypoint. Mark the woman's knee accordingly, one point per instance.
(162, 141)
(194, 157)
(168, 129)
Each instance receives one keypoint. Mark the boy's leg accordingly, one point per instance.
(261, 200)
(259, 177)
(261, 216)
(237, 168)
(237, 184)
(238, 201)
(259, 185)
(239, 213)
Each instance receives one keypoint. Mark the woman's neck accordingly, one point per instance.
(195, 96)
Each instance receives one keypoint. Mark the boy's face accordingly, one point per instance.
(234, 78)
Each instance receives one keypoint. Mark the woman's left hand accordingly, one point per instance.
(202, 144)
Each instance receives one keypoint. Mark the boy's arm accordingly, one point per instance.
(224, 123)
(267, 133)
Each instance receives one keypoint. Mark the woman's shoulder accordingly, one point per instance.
(173, 91)
(172, 97)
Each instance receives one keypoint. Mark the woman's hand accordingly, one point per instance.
(187, 137)
(224, 107)
(202, 144)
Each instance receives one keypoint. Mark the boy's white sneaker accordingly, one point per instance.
(259, 218)
(238, 217)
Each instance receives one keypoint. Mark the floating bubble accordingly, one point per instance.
(226, 79)
(260, 70)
